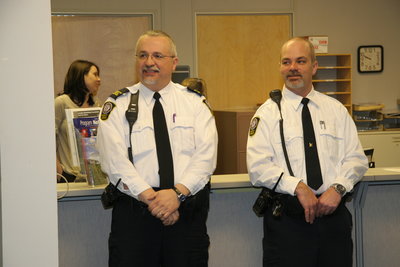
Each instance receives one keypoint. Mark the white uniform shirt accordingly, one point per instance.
(192, 133)
(340, 154)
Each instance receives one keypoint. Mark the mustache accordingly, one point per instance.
(293, 73)
(151, 68)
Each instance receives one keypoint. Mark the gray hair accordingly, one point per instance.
(156, 33)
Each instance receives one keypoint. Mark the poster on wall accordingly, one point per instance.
(320, 43)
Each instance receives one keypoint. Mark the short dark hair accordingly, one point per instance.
(74, 84)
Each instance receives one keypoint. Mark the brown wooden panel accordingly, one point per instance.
(108, 41)
(243, 124)
(232, 126)
(242, 162)
(238, 56)
(226, 123)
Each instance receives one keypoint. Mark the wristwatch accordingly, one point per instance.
(340, 189)
(181, 196)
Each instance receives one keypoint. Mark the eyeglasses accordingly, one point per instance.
(155, 56)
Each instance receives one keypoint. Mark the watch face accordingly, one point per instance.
(370, 58)
(340, 189)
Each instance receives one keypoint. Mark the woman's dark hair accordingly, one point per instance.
(74, 84)
(196, 84)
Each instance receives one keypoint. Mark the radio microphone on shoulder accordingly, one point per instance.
(276, 96)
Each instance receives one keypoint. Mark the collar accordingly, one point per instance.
(148, 94)
(294, 100)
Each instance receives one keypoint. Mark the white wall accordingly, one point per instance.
(28, 188)
(348, 24)
(28, 197)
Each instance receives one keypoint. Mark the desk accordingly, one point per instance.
(374, 177)
(234, 230)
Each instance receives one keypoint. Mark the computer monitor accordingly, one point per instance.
(181, 72)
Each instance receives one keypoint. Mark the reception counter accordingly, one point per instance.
(226, 181)
(82, 190)
(235, 232)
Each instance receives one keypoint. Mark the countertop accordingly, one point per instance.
(225, 181)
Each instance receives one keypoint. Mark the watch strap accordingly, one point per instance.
(179, 194)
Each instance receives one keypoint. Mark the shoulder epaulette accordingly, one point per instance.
(197, 92)
(118, 93)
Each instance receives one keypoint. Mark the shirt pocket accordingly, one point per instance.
(183, 135)
(142, 138)
(293, 142)
(331, 142)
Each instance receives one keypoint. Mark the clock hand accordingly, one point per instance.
(367, 57)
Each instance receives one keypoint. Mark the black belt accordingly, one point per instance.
(288, 204)
(192, 203)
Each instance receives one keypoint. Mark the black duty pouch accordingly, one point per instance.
(263, 201)
(268, 198)
(110, 195)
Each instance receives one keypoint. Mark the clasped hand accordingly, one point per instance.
(317, 207)
(162, 204)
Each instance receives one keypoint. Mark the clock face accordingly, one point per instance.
(370, 58)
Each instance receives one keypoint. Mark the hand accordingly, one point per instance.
(147, 196)
(172, 219)
(328, 202)
(59, 169)
(308, 200)
(164, 204)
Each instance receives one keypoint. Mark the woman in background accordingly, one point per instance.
(81, 85)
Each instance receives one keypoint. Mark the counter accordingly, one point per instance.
(75, 190)
(235, 232)
(226, 181)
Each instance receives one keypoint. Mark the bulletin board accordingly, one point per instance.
(238, 56)
(107, 40)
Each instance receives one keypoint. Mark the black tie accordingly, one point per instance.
(313, 168)
(164, 155)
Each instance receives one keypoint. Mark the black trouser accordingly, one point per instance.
(141, 240)
(290, 241)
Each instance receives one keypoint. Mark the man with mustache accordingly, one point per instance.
(159, 218)
(306, 222)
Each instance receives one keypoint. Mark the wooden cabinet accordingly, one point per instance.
(333, 77)
(233, 128)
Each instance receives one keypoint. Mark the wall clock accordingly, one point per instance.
(370, 58)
